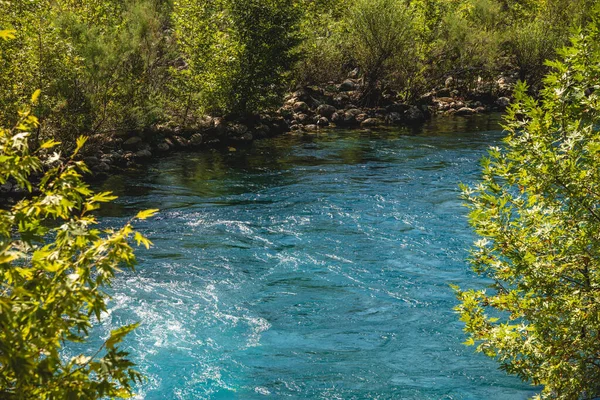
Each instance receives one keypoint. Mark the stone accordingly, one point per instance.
(503, 102)
(163, 147)
(302, 118)
(371, 122)
(247, 137)
(325, 110)
(464, 111)
(348, 86)
(181, 141)
(196, 139)
(361, 117)
(393, 118)
(132, 142)
(414, 115)
(6, 187)
(300, 106)
(103, 167)
(449, 82)
(322, 122)
(91, 161)
(143, 154)
(311, 128)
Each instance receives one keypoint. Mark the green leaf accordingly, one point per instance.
(146, 214)
(117, 335)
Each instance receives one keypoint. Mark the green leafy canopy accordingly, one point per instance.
(537, 211)
(54, 266)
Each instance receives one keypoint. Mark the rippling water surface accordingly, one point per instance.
(307, 268)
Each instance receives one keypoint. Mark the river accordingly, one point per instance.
(307, 267)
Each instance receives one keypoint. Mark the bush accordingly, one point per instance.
(54, 266)
(537, 212)
(382, 39)
(237, 52)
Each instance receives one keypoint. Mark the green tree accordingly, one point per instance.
(537, 210)
(54, 268)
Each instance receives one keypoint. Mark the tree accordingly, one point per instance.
(383, 41)
(537, 210)
(54, 268)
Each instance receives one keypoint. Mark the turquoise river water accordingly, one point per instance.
(312, 267)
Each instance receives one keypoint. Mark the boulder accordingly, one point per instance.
(196, 139)
(132, 143)
(414, 115)
(393, 118)
(503, 102)
(322, 122)
(300, 107)
(325, 110)
(371, 122)
(311, 128)
(181, 141)
(348, 86)
(464, 111)
(143, 154)
(163, 147)
(103, 167)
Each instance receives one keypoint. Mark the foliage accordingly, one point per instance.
(382, 37)
(54, 266)
(237, 52)
(537, 212)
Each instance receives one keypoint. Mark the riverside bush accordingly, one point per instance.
(537, 213)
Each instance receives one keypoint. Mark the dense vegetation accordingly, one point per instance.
(110, 66)
(537, 211)
(105, 67)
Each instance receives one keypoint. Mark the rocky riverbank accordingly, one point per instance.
(306, 110)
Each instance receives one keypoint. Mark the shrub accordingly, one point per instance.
(537, 212)
(54, 267)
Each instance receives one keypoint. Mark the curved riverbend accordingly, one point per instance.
(308, 267)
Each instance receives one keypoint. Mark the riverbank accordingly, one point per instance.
(308, 110)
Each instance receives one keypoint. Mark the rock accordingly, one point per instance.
(300, 107)
(181, 141)
(348, 86)
(354, 73)
(325, 110)
(426, 99)
(337, 117)
(143, 154)
(247, 137)
(302, 118)
(361, 117)
(196, 139)
(414, 115)
(103, 167)
(237, 130)
(397, 107)
(341, 100)
(311, 128)
(503, 102)
(6, 188)
(349, 117)
(371, 122)
(443, 93)
(393, 118)
(132, 143)
(163, 147)
(464, 111)
(449, 82)
(295, 127)
(220, 126)
(322, 122)
(91, 161)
